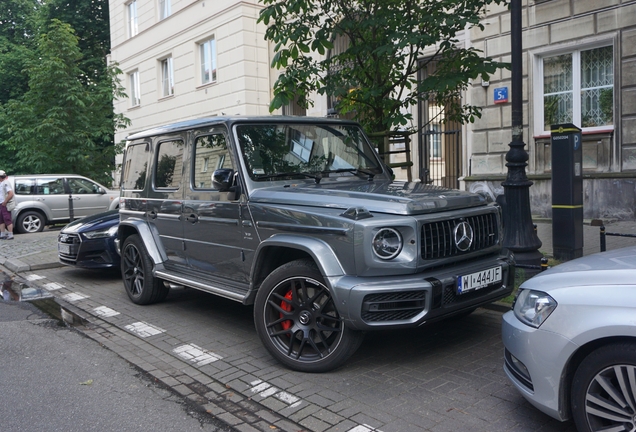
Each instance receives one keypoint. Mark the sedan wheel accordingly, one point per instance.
(604, 390)
(30, 222)
(297, 320)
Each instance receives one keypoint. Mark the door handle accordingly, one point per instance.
(192, 218)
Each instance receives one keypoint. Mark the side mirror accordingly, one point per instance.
(101, 190)
(222, 179)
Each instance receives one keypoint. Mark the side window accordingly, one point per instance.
(50, 186)
(209, 151)
(135, 167)
(82, 186)
(25, 187)
(169, 164)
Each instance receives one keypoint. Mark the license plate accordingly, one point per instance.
(478, 280)
(64, 248)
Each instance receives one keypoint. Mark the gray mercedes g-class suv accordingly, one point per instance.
(301, 218)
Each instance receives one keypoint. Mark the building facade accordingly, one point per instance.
(579, 66)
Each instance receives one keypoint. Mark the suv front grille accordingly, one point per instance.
(438, 237)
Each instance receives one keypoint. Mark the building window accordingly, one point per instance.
(578, 88)
(135, 90)
(132, 18)
(207, 53)
(167, 77)
(164, 9)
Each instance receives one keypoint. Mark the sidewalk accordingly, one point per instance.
(37, 251)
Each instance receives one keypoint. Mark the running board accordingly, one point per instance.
(169, 277)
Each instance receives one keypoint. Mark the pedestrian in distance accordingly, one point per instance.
(6, 205)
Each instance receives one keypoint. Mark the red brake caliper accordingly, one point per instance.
(286, 306)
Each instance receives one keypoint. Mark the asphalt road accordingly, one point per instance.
(444, 377)
(53, 378)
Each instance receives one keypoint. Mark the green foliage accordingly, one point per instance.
(56, 89)
(376, 76)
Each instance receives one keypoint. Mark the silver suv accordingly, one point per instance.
(45, 199)
(301, 218)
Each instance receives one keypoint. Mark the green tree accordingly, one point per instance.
(59, 124)
(375, 75)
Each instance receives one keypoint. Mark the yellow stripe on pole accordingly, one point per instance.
(567, 206)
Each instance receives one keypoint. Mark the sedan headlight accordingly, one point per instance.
(533, 307)
(102, 233)
(387, 243)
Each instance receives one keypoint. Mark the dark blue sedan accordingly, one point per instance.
(90, 242)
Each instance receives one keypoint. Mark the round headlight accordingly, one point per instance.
(387, 243)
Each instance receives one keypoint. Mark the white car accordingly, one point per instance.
(570, 341)
(44, 199)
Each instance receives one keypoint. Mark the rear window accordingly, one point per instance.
(25, 187)
(135, 166)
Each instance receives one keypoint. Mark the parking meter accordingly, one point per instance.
(567, 192)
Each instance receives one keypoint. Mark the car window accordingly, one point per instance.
(210, 154)
(50, 186)
(135, 166)
(25, 187)
(169, 164)
(81, 186)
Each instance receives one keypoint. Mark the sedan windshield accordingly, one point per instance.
(282, 151)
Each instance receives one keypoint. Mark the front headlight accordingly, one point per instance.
(533, 307)
(102, 233)
(387, 243)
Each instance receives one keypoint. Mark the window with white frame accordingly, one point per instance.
(135, 91)
(164, 9)
(577, 87)
(167, 77)
(207, 56)
(132, 18)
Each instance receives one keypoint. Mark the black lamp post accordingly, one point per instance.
(519, 236)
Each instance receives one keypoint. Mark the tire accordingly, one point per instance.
(30, 222)
(136, 270)
(297, 320)
(604, 389)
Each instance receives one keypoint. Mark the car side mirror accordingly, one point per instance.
(100, 190)
(222, 179)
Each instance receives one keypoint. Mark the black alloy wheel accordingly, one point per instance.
(297, 320)
(136, 269)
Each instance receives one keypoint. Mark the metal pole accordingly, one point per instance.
(519, 235)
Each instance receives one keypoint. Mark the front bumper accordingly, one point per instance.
(544, 355)
(91, 254)
(412, 300)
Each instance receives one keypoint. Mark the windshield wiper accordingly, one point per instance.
(316, 177)
(354, 171)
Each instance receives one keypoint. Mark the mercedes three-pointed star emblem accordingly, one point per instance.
(463, 234)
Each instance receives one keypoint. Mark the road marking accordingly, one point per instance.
(104, 311)
(34, 277)
(364, 428)
(74, 297)
(266, 390)
(196, 354)
(52, 286)
(143, 329)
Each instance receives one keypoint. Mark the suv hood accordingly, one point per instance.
(376, 196)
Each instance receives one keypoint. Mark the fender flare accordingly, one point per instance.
(149, 235)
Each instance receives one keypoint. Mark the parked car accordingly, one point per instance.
(43, 199)
(570, 341)
(301, 217)
(90, 242)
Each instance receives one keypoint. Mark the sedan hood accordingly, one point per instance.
(90, 223)
(376, 196)
(616, 267)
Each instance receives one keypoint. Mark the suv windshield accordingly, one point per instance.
(278, 151)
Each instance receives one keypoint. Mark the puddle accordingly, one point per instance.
(19, 291)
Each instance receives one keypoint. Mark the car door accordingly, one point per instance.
(51, 193)
(88, 197)
(165, 198)
(213, 231)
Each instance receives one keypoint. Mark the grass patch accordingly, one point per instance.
(520, 277)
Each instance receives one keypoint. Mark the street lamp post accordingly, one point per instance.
(520, 236)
